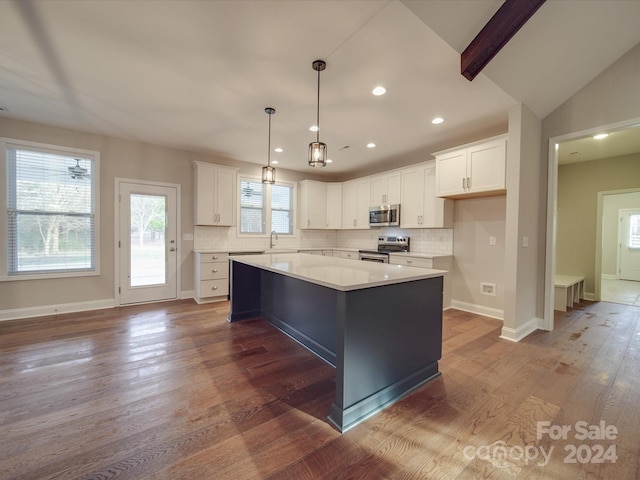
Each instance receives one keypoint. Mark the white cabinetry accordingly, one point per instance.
(477, 169)
(215, 194)
(312, 204)
(420, 207)
(355, 204)
(334, 206)
(212, 277)
(386, 189)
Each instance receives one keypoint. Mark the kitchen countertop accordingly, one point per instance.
(337, 273)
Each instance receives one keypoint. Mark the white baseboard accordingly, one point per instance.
(609, 276)
(517, 334)
(589, 296)
(43, 310)
(479, 309)
(187, 294)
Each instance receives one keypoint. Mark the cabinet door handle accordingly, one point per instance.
(469, 183)
(464, 183)
(308, 222)
(408, 261)
(214, 288)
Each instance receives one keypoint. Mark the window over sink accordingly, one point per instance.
(265, 208)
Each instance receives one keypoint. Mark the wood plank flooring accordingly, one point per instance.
(173, 391)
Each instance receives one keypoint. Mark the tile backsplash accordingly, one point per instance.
(437, 240)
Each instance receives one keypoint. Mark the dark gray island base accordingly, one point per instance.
(384, 340)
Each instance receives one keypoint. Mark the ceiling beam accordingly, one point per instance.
(504, 24)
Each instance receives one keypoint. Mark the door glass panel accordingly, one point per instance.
(634, 231)
(148, 249)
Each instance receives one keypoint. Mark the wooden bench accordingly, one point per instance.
(569, 289)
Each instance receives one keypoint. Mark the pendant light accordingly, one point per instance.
(317, 149)
(268, 172)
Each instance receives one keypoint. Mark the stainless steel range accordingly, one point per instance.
(386, 245)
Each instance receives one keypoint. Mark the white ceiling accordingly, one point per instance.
(198, 74)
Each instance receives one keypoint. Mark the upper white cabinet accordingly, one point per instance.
(215, 192)
(334, 206)
(356, 195)
(312, 204)
(420, 206)
(386, 189)
(477, 169)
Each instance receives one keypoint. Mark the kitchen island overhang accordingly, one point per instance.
(379, 325)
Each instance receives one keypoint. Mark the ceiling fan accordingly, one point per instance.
(77, 172)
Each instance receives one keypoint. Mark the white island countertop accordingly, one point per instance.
(337, 273)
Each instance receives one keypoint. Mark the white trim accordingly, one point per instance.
(552, 197)
(478, 309)
(43, 310)
(184, 294)
(609, 276)
(517, 334)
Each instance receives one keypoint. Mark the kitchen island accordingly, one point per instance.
(379, 325)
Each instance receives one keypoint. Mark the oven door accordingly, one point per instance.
(374, 257)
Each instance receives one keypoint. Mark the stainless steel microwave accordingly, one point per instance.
(384, 216)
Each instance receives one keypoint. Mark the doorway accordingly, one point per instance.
(552, 206)
(146, 242)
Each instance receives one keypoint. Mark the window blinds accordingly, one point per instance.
(51, 211)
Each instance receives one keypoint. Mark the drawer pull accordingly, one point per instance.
(408, 261)
(214, 271)
(214, 288)
(214, 257)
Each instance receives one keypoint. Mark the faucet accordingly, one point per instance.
(271, 243)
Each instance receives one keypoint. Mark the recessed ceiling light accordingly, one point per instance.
(278, 149)
(329, 160)
(437, 120)
(275, 162)
(314, 128)
(371, 145)
(600, 136)
(379, 90)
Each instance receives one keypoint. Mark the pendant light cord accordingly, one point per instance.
(318, 111)
(269, 150)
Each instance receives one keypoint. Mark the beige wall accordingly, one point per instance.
(118, 158)
(476, 261)
(576, 217)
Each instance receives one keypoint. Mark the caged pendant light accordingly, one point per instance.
(268, 172)
(317, 149)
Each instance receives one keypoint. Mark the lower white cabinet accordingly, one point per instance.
(211, 277)
(351, 255)
(436, 262)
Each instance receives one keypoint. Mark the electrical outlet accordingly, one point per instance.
(492, 240)
(488, 289)
(525, 241)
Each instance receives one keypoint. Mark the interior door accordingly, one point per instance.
(147, 243)
(629, 267)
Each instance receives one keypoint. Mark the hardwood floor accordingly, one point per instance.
(173, 391)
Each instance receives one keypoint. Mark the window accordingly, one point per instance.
(265, 208)
(634, 231)
(50, 214)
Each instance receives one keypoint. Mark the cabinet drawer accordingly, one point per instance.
(413, 262)
(213, 271)
(213, 257)
(351, 255)
(214, 288)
